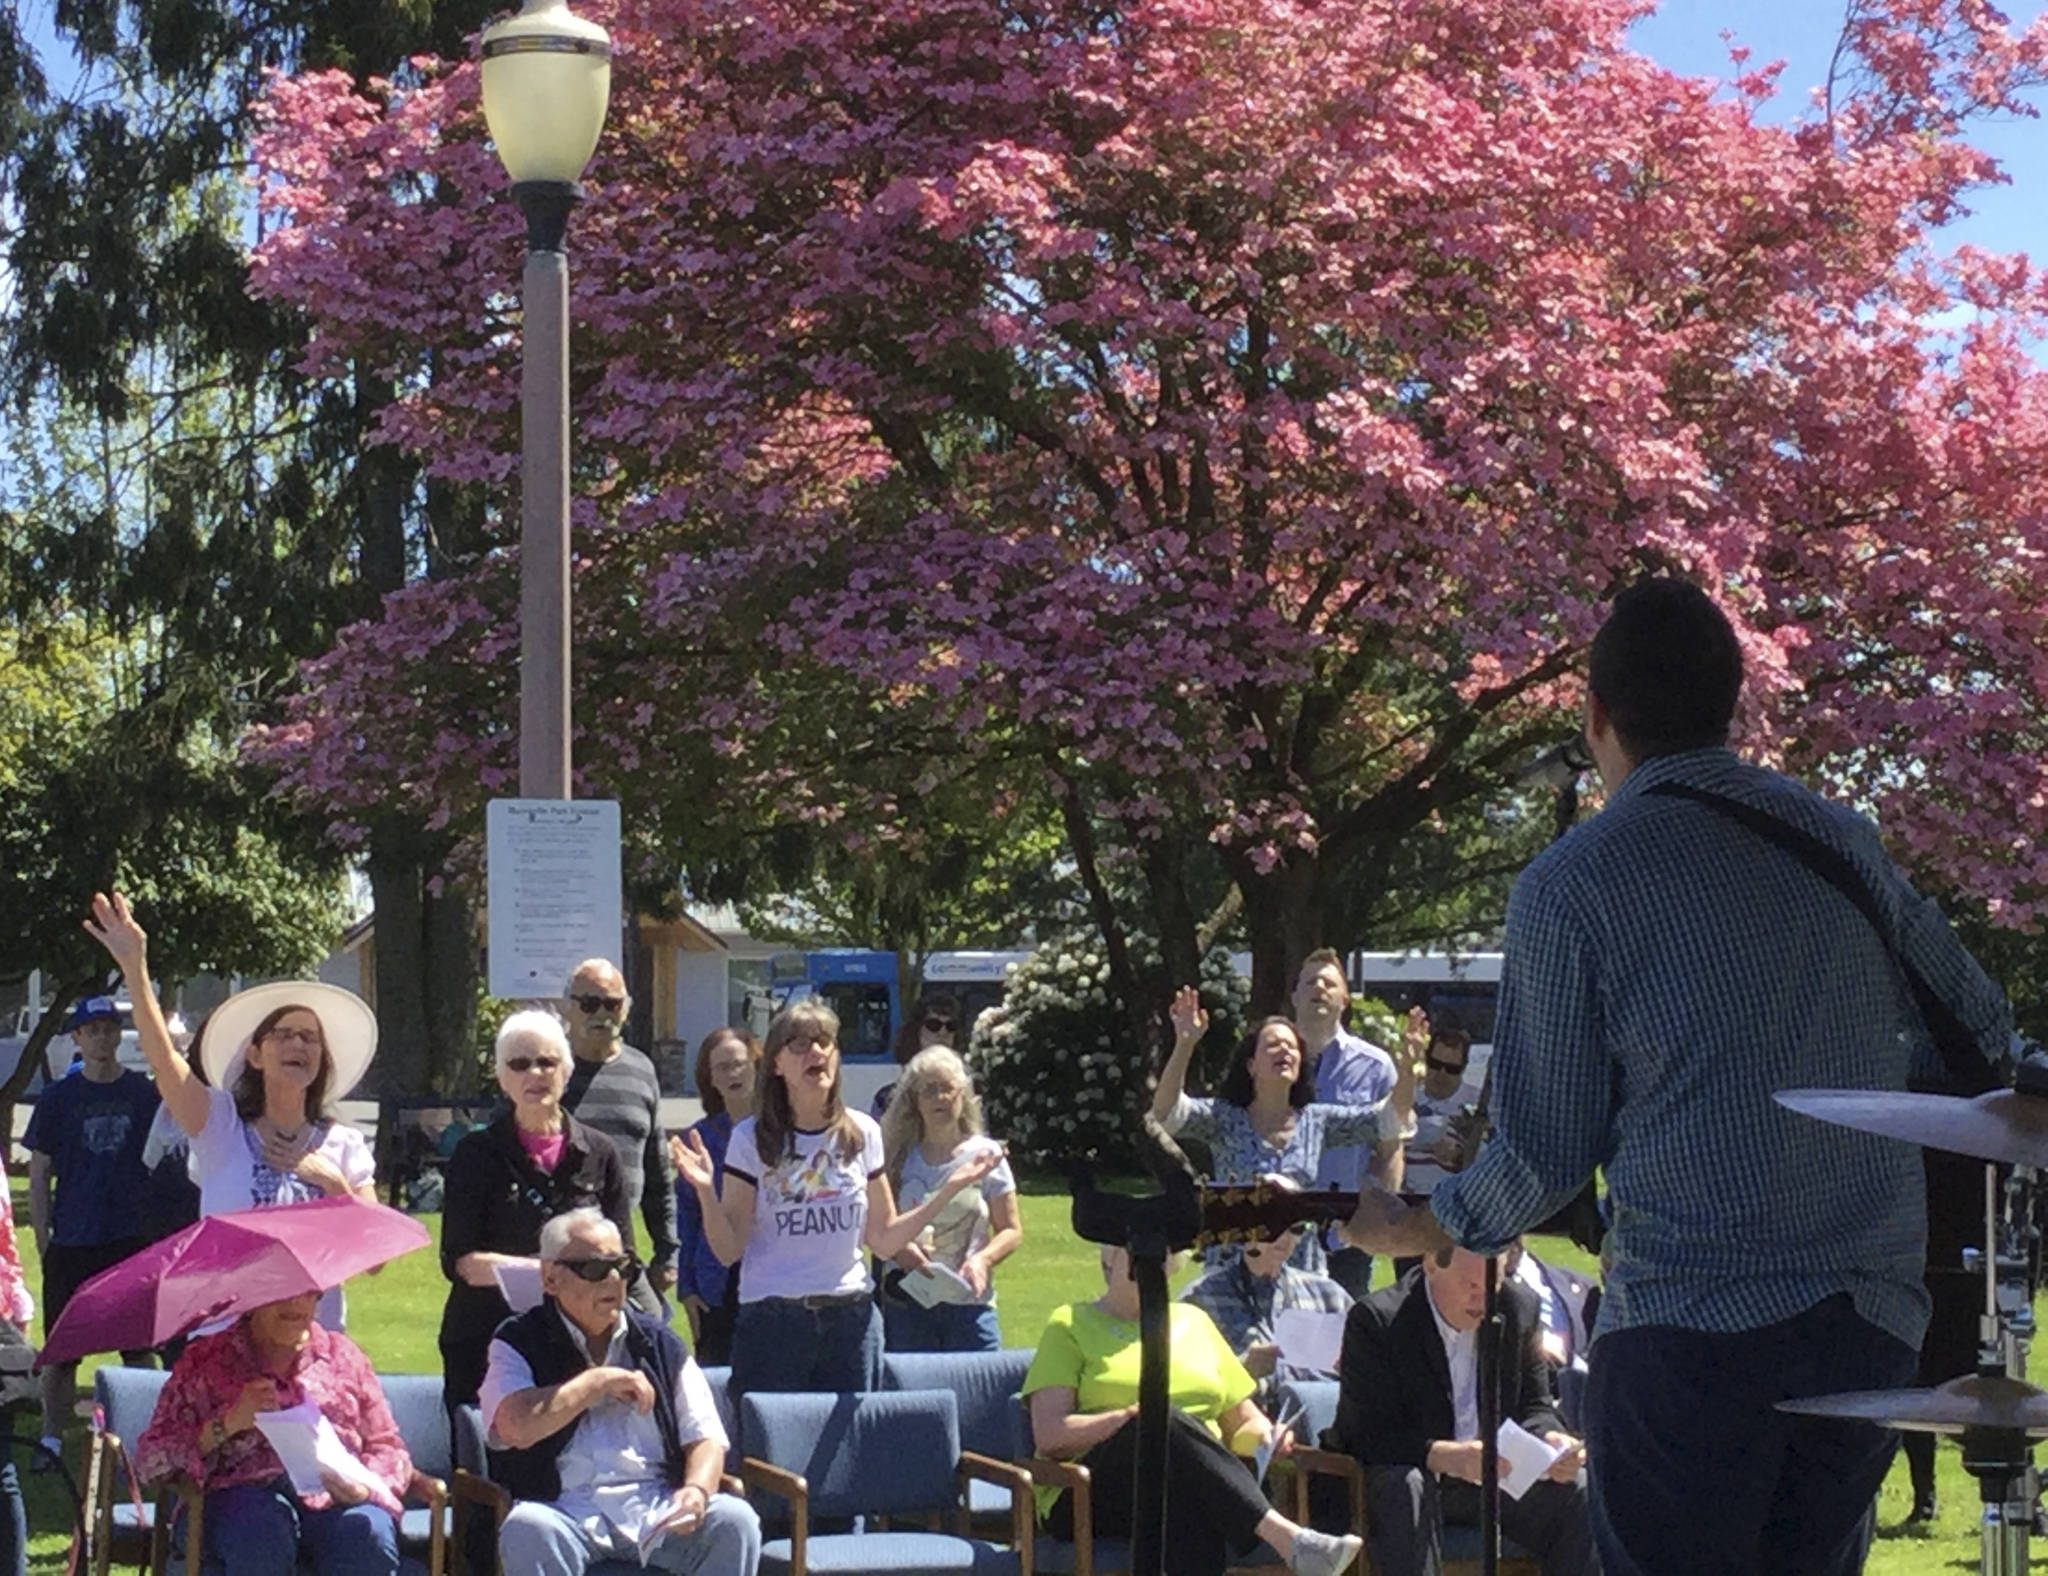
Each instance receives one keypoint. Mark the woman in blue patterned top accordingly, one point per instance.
(1263, 1121)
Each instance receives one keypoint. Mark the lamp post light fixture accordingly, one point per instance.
(546, 84)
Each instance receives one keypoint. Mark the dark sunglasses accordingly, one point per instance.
(1449, 1069)
(940, 1025)
(599, 1003)
(602, 1268)
(527, 1064)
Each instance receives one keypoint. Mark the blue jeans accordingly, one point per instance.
(538, 1540)
(950, 1327)
(780, 1344)
(257, 1529)
(1694, 1470)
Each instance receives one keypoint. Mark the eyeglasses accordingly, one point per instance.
(600, 1003)
(936, 1091)
(1448, 1069)
(940, 1025)
(310, 1038)
(529, 1064)
(602, 1268)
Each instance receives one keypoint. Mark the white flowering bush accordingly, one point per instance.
(1059, 1075)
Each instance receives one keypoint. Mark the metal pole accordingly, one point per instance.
(544, 493)
(1491, 1329)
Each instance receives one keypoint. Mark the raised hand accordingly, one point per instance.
(114, 928)
(1190, 1019)
(692, 1160)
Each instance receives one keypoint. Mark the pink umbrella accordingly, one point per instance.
(226, 1265)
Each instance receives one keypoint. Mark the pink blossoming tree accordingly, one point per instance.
(1225, 416)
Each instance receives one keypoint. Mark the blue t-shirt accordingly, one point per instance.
(93, 1134)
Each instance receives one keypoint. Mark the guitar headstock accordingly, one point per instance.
(1261, 1211)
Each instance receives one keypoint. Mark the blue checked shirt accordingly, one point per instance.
(1666, 971)
(1242, 1305)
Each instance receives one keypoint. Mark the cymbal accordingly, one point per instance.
(2002, 1125)
(1973, 1401)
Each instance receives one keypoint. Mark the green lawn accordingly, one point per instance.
(394, 1315)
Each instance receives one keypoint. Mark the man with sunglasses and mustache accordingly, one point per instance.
(603, 1429)
(613, 1088)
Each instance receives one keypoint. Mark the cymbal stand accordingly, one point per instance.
(2001, 1460)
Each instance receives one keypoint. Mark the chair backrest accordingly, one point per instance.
(1317, 1400)
(984, 1386)
(417, 1404)
(887, 1452)
(126, 1397)
(720, 1381)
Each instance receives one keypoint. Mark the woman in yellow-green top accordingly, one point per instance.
(1083, 1391)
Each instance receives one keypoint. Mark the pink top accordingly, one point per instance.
(207, 1382)
(543, 1149)
(15, 1302)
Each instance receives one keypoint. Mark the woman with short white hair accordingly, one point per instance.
(504, 1182)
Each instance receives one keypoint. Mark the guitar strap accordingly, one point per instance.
(1968, 1071)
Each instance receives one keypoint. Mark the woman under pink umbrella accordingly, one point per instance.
(278, 1056)
(254, 1522)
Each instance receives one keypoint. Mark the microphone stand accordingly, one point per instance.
(1492, 1332)
(1149, 1228)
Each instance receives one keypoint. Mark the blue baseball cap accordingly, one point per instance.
(91, 1010)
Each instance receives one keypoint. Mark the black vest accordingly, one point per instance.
(541, 1336)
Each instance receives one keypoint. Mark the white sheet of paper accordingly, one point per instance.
(936, 1284)
(1310, 1340)
(305, 1442)
(1528, 1455)
(519, 1284)
(1263, 1456)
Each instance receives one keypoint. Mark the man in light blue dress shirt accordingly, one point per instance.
(1350, 1070)
(1667, 970)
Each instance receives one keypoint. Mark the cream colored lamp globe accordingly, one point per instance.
(547, 81)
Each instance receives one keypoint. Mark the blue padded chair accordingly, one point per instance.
(888, 1455)
(119, 1517)
(416, 1406)
(125, 1399)
(984, 1387)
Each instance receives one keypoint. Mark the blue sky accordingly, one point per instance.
(1685, 35)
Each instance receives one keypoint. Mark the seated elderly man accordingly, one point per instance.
(1409, 1410)
(1242, 1297)
(602, 1427)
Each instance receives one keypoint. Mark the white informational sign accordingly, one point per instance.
(552, 869)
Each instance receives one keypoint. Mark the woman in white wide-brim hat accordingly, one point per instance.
(278, 1056)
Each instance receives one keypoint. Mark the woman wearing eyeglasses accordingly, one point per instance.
(728, 1073)
(933, 1125)
(805, 1191)
(934, 1021)
(504, 1182)
(276, 1057)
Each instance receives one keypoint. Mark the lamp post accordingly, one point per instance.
(546, 83)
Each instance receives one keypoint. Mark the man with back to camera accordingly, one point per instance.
(613, 1087)
(1667, 969)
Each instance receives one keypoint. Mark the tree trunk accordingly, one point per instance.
(1284, 916)
(398, 894)
(1174, 912)
(449, 959)
(1123, 974)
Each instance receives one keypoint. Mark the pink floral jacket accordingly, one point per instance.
(207, 1382)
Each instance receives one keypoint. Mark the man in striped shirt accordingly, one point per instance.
(1667, 969)
(613, 1087)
